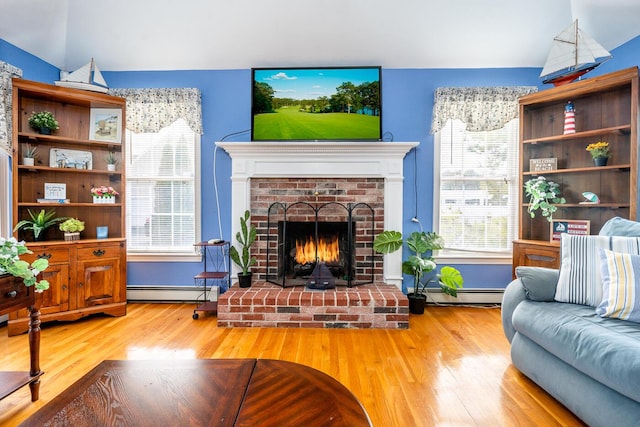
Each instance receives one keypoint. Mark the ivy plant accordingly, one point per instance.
(543, 195)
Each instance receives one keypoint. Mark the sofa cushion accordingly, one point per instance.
(539, 283)
(620, 286)
(618, 226)
(580, 281)
(602, 348)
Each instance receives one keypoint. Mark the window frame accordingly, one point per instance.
(159, 256)
(473, 257)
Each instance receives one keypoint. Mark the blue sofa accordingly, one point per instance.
(589, 363)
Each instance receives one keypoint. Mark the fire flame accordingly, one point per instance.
(328, 250)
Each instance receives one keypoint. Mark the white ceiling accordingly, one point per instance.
(240, 34)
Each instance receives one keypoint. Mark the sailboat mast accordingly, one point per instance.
(575, 38)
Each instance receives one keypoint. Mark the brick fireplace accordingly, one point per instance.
(264, 173)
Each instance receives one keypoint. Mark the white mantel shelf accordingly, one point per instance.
(325, 159)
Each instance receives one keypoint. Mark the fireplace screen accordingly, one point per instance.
(320, 246)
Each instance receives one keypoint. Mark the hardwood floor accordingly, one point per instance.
(451, 368)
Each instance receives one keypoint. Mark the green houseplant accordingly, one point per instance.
(72, 228)
(419, 263)
(543, 195)
(111, 160)
(44, 122)
(38, 222)
(29, 154)
(10, 263)
(246, 238)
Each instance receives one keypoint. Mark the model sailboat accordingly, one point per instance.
(572, 54)
(87, 77)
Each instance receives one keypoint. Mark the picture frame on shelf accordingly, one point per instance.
(106, 125)
(580, 227)
(70, 159)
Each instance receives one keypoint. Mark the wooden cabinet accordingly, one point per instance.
(88, 275)
(606, 109)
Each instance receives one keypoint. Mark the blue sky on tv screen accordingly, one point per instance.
(313, 83)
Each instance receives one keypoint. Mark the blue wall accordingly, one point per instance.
(407, 107)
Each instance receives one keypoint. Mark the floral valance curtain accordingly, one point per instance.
(481, 108)
(149, 110)
(7, 71)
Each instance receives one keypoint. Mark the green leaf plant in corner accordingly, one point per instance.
(420, 264)
(39, 222)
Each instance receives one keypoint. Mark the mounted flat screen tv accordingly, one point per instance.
(316, 104)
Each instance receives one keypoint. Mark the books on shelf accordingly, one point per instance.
(54, 201)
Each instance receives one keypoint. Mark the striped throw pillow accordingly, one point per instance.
(620, 286)
(580, 279)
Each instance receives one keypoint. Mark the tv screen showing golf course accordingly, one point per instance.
(316, 104)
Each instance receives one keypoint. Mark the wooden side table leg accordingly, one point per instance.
(34, 351)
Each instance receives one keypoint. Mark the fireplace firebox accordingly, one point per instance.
(320, 245)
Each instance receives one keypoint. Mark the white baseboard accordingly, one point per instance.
(467, 296)
(169, 293)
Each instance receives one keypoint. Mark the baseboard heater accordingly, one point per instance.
(169, 293)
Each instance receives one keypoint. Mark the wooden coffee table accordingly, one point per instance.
(220, 392)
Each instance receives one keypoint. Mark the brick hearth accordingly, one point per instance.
(376, 306)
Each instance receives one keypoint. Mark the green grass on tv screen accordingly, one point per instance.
(289, 123)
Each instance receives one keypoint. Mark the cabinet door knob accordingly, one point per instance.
(98, 252)
(12, 294)
(44, 255)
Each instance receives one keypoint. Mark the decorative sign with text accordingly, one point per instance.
(537, 165)
(569, 226)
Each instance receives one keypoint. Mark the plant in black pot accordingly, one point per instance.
(44, 122)
(243, 259)
(38, 223)
(419, 263)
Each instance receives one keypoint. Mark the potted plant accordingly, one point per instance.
(72, 228)
(44, 122)
(111, 160)
(245, 237)
(543, 195)
(10, 263)
(104, 194)
(420, 243)
(29, 155)
(38, 223)
(600, 152)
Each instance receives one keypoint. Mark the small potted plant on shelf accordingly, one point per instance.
(111, 160)
(420, 243)
(543, 195)
(245, 237)
(38, 223)
(72, 228)
(44, 122)
(104, 194)
(10, 263)
(29, 155)
(600, 152)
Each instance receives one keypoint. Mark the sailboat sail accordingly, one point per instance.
(572, 54)
(87, 77)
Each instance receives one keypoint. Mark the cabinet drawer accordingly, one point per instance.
(54, 255)
(13, 294)
(98, 252)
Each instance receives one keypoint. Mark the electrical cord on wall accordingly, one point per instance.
(215, 177)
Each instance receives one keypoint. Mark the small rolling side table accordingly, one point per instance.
(217, 267)
(14, 295)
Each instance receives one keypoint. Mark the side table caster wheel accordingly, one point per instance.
(195, 316)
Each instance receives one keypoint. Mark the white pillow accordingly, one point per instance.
(580, 279)
(620, 286)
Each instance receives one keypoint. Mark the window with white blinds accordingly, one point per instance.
(476, 189)
(163, 191)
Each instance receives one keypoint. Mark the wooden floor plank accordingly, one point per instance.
(451, 368)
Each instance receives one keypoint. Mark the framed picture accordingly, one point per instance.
(106, 125)
(569, 226)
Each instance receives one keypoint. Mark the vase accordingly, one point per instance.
(111, 168)
(600, 161)
(28, 161)
(104, 200)
(45, 131)
(72, 236)
(244, 280)
(417, 303)
(102, 231)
